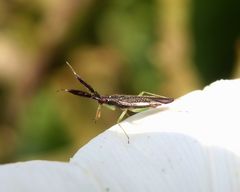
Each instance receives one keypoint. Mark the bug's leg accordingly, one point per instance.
(118, 122)
(98, 113)
(122, 115)
(164, 100)
(148, 93)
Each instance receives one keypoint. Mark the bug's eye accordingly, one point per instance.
(105, 100)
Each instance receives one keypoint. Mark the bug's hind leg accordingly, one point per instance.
(118, 122)
(163, 99)
(148, 93)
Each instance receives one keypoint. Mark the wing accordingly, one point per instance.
(133, 101)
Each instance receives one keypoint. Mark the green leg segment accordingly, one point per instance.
(118, 121)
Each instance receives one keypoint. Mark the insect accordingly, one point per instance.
(133, 103)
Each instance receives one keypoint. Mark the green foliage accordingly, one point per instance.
(41, 128)
(129, 26)
(216, 29)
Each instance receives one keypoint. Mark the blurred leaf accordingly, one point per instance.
(41, 128)
(216, 30)
(129, 26)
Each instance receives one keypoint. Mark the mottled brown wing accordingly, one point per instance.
(132, 101)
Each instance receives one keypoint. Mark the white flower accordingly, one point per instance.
(190, 145)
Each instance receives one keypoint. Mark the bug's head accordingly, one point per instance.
(97, 97)
(101, 99)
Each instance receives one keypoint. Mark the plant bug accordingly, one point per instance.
(133, 103)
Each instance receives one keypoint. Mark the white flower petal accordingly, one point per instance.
(190, 145)
(39, 176)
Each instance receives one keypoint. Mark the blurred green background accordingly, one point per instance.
(162, 46)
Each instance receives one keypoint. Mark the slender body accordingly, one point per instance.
(134, 103)
(129, 102)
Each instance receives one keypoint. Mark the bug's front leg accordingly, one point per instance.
(98, 113)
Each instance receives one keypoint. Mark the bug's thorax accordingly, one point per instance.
(103, 99)
(100, 99)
